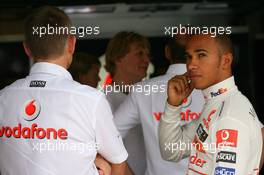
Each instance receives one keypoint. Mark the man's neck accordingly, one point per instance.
(61, 61)
(222, 78)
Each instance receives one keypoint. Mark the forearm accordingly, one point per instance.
(103, 165)
(120, 169)
(172, 135)
(129, 171)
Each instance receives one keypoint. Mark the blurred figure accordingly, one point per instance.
(85, 69)
(127, 60)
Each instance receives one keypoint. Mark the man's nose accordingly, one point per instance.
(191, 64)
(146, 58)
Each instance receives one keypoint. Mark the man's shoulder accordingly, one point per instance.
(77, 88)
(58, 85)
(15, 84)
(238, 107)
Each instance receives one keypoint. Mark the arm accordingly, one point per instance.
(171, 134)
(127, 115)
(108, 139)
(262, 154)
(121, 169)
(103, 166)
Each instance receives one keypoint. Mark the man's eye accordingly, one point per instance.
(141, 53)
(201, 55)
(186, 56)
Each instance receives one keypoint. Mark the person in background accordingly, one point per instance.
(127, 60)
(85, 69)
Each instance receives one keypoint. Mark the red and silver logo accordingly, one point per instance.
(226, 137)
(187, 102)
(31, 110)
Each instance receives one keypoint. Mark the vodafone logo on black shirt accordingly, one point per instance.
(31, 110)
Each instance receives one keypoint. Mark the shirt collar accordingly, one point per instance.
(177, 69)
(219, 89)
(50, 68)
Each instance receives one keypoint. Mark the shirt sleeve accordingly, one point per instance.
(233, 141)
(1, 108)
(108, 139)
(172, 136)
(261, 124)
(127, 115)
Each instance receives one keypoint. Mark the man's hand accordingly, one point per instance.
(179, 88)
(103, 166)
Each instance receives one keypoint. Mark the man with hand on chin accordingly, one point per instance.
(227, 136)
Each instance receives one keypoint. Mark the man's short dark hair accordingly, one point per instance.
(48, 45)
(82, 63)
(119, 46)
(226, 45)
(177, 48)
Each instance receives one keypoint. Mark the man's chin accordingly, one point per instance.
(198, 86)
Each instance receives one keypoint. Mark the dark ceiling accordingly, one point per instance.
(30, 3)
(8, 6)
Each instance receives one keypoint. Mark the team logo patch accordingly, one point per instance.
(226, 137)
(219, 92)
(187, 102)
(157, 115)
(37, 83)
(31, 110)
(224, 171)
(201, 133)
(225, 156)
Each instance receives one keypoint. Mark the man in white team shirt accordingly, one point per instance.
(127, 60)
(50, 124)
(226, 139)
(146, 107)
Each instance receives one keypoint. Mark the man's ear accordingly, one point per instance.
(71, 44)
(227, 59)
(167, 51)
(118, 61)
(27, 50)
